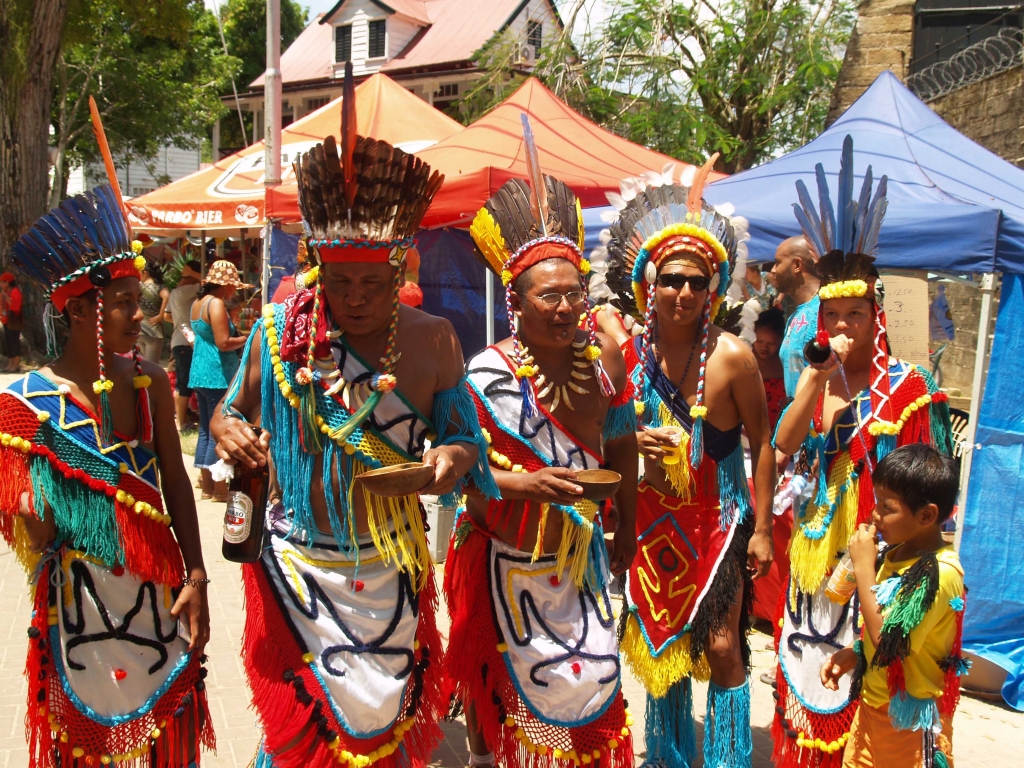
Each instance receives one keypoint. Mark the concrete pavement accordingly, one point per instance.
(986, 735)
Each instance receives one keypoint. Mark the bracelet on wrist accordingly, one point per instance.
(188, 581)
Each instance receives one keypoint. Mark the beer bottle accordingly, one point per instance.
(246, 514)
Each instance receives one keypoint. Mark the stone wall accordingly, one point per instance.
(957, 363)
(882, 39)
(990, 112)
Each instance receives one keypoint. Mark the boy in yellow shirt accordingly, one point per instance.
(908, 661)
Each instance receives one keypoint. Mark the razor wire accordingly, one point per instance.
(998, 53)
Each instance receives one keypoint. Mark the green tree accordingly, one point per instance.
(245, 34)
(156, 70)
(746, 78)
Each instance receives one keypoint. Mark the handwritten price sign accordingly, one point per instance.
(906, 314)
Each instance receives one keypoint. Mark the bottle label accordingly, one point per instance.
(237, 518)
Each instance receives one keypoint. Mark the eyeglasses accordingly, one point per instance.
(676, 281)
(552, 300)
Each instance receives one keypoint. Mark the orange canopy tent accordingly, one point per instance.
(478, 160)
(230, 194)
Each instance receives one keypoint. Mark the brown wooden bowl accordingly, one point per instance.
(598, 484)
(397, 480)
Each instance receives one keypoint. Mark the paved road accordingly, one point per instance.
(987, 736)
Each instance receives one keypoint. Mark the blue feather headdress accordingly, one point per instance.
(843, 239)
(86, 232)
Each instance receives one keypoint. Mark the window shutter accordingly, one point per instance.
(378, 30)
(534, 34)
(343, 44)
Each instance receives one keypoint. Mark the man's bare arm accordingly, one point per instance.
(454, 460)
(748, 394)
(236, 441)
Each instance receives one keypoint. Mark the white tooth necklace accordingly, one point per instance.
(561, 391)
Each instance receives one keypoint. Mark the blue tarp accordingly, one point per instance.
(953, 205)
(994, 514)
(284, 257)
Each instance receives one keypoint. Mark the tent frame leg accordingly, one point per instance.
(977, 391)
(489, 304)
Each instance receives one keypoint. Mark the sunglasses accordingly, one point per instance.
(675, 281)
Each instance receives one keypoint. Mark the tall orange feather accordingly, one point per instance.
(693, 204)
(348, 136)
(108, 160)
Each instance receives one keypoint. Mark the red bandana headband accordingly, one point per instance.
(82, 284)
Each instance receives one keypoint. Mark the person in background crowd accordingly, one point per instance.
(214, 361)
(153, 301)
(411, 295)
(178, 314)
(796, 277)
(10, 316)
(756, 286)
(768, 332)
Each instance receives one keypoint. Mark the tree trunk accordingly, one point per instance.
(25, 103)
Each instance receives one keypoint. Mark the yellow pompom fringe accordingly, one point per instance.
(102, 385)
(819, 744)
(576, 758)
(658, 674)
(141, 382)
(810, 559)
(137, 247)
(845, 289)
(584, 267)
(880, 427)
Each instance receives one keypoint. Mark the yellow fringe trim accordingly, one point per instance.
(404, 540)
(811, 559)
(538, 547)
(574, 548)
(22, 551)
(678, 475)
(658, 674)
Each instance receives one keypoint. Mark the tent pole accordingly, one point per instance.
(977, 390)
(265, 264)
(489, 305)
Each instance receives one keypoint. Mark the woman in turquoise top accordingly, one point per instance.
(214, 361)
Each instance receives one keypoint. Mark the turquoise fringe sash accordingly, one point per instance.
(455, 420)
(727, 741)
(669, 730)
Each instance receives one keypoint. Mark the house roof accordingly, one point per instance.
(411, 9)
(452, 31)
(309, 57)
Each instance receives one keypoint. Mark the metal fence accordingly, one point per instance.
(988, 57)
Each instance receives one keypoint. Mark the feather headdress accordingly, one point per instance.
(659, 219)
(523, 224)
(365, 203)
(843, 240)
(81, 246)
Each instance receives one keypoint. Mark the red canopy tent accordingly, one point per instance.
(478, 160)
(230, 194)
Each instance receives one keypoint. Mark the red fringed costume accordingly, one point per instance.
(110, 680)
(533, 644)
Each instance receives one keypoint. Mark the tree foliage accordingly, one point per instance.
(746, 78)
(245, 34)
(156, 70)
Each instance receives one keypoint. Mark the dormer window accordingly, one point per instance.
(534, 34)
(343, 44)
(378, 39)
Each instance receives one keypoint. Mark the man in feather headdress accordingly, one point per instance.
(341, 645)
(533, 653)
(95, 502)
(700, 540)
(849, 412)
